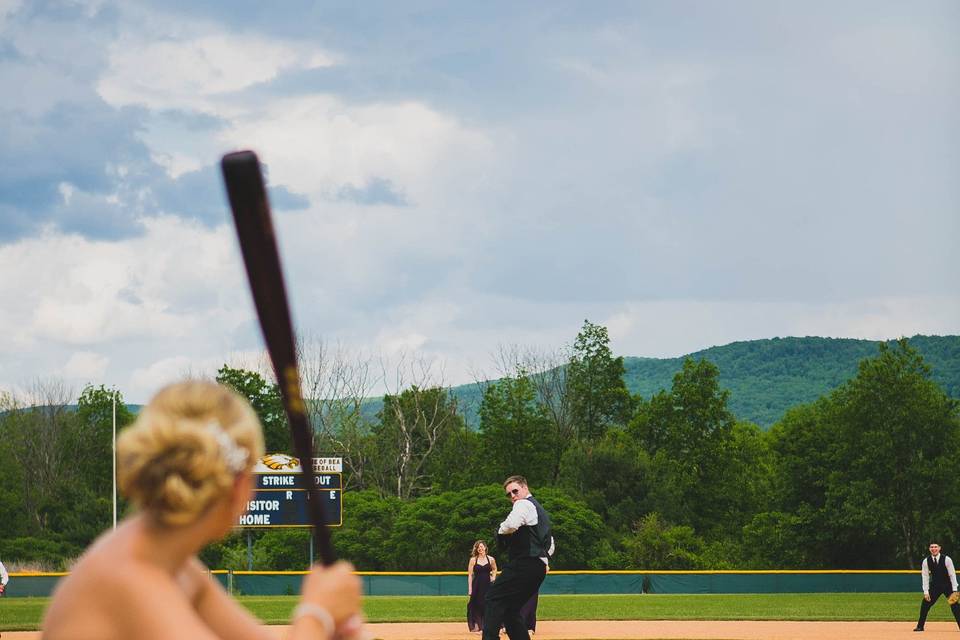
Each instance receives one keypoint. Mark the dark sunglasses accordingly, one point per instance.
(513, 492)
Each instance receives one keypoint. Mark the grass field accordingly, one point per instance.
(24, 614)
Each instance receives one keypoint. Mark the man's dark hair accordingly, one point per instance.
(520, 480)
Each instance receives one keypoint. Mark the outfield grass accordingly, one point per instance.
(24, 614)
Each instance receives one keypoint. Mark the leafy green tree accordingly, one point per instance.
(655, 544)
(50, 552)
(12, 498)
(516, 435)
(237, 558)
(777, 540)
(458, 462)
(436, 533)
(285, 549)
(798, 531)
(581, 538)
(689, 432)
(613, 476)
(598, 395)
(265, 399)
(95, 435)
(58, 486)
(895, 479)
(866, 473)
(747, 485)
(220, 553)
(41, 442)
(367, 525)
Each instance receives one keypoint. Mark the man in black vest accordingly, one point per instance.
(527, 536)
(939, 579)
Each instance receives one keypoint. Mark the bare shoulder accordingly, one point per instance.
(127, 600)
(86, 602)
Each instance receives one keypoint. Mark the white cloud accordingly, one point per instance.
(85, 367)
(188, 71)
(164, 284)
(8, 8)
(889, 56)
(145, 381)
(660, 186)
(176, 164)
(316, 144)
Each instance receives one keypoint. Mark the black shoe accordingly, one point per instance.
(918, 628)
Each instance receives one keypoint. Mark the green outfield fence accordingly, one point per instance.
(454, 583)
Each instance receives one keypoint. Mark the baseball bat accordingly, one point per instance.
(251, 215)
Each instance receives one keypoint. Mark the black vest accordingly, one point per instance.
(530, 541)
(939, 578)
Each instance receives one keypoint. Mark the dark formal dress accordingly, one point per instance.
(478, 596)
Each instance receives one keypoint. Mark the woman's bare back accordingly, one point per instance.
(111, 593)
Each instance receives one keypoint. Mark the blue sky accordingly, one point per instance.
(451, 177)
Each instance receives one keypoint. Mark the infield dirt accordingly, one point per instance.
(650, 629)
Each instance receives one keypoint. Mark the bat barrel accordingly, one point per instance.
(243, 179)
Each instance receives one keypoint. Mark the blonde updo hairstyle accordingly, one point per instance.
(171, 461)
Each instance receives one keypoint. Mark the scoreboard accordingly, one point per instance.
(281, 498)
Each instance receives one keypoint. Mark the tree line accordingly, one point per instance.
(861, 478)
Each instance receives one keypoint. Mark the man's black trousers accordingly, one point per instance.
(520, 579)
(934, 596)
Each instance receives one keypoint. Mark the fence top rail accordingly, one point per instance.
(655, 572)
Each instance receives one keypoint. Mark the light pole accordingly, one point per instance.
(114, 440)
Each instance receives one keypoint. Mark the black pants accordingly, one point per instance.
(517, 583)
(934, 596)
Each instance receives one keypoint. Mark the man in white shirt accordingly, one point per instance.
(527, 536)
(939, 578)
(4, 579)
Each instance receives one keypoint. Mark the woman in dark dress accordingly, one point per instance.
(481, 571)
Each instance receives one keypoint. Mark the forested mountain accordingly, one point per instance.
(764, 377)
(767, 377)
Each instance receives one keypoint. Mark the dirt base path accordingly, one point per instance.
(649, 629)
(679, 629)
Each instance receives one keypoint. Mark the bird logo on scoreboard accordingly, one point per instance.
(279, 462)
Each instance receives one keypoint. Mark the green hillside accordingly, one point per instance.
(766, 377)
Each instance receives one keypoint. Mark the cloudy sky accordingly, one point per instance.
(448, 177)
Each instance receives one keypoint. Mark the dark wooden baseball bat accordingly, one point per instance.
(251, 214)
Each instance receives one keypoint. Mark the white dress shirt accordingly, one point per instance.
(524, 513)
(925, 572)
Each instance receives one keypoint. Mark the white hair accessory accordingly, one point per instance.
(233, 454)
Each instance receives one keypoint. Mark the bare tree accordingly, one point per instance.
(337, 382)
(418, 413)
(38, 429)
(547, 369)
